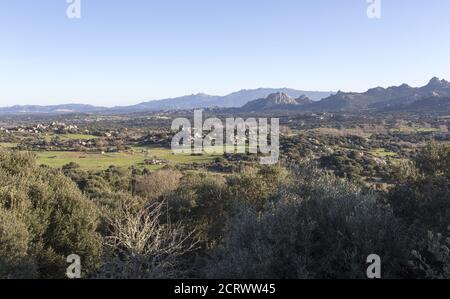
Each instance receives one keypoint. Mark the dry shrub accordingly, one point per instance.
(141, 247)
(153, 185)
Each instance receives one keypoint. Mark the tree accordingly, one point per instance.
(434, 159)
(52, 215)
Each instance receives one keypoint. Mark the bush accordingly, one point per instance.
(434, 262)
(256, 185)
(318, 227)
(53, 217)
(434, 159)
(422, 200)
(203, 203)
(14, 243)
(153, 185)
(141, 247)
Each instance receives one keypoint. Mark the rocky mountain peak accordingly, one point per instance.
(280, 98)
(303, 99)
(438, 83)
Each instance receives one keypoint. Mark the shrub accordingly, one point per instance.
(256, 185)
(153, 185)
(422, 200)
(318, 227)
(434, 159)
(434, 261)
(141, 247)
(14, 246)
(58, 219)
(203, 203)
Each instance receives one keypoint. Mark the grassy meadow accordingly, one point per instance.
(135, 157)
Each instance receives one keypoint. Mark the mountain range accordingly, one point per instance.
(435, 96)
(403, 97)
(236, 99)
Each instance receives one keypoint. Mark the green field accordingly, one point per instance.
(135, 157)
(7, 145)
(415, 129)
(77, 136)
(342, 132)
(70, 137)
(381, 152)
(427, 130)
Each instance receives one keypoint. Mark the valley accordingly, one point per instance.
(350, 159)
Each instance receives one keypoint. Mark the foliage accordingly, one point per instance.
(14, 248)
(256, 185)
(434, 263)
(53, 218)
(318, 227)
(423, 199)
(203, 203)
(154, 185)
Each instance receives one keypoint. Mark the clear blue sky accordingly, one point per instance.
(126, 51)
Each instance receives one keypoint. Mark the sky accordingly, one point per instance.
(123, 52)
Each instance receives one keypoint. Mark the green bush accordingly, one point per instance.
(203, 204)
(14, 247)
(256, 186)
(422, 200)
(57, 218)
(318, 227)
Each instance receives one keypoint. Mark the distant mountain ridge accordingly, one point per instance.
(392, 98)
(36, 109)
(432, 97)
(236, 99)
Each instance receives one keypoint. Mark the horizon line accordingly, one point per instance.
(210, 95)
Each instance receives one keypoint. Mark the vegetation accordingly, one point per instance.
(101, 161)
(115, 194)
(318, 226)
(52, 217)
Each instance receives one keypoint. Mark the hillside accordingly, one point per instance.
(380, 98)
